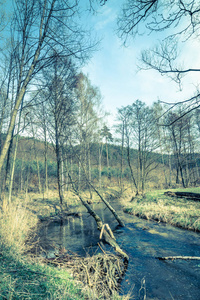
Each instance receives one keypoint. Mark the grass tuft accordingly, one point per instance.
(16, 226)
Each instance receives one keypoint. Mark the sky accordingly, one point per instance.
(113, 68)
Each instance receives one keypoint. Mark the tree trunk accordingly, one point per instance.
(122, 156)
(100, 155)
(13, 168)
(170, 170)
(121, 223)
(59, 176)
(22, 91)
(21, 176)
(37, 162)
(89, 171)
(107, 237)
(188, 195)
(46, 165)
(130, 167)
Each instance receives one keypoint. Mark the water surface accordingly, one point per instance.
(142, 240)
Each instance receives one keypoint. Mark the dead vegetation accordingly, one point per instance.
(100, 274)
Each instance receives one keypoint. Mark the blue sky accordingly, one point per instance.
(114, 68)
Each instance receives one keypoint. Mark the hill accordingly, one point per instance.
(103, 164)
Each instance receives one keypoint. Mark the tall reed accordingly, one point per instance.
(16, 226)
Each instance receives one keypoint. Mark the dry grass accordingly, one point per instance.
(179, 212)
(99, 275)
(48, 205)
(16, 226)
(96, 277)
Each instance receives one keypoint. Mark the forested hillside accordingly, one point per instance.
(30, 170)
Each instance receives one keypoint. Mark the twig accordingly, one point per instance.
(101, 249)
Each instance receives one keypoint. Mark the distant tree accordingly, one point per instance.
(140, 133)
(41, 113)
(182, 133)
(57, 106)
(145, 139)
(163, 139)
(197, 117)
(88, 117)
(124, 116)
(107, 135)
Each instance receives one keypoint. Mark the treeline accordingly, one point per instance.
(156, 129)
(146, 149)
(66, 138)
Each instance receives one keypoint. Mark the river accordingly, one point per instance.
(143, 241)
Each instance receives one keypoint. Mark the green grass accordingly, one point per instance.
(23, 280)
(179, 212)
(21, 277)
(25, 277)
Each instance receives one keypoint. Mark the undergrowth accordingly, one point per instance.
(21, 279)
(23, 276)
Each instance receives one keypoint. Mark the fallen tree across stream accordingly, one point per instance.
(106, 235)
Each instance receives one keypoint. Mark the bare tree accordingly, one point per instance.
(184, 142)
(124, 116)
(140, 134)
(57, 104)
(37, 28)
(88, 117)
(107, 136)
(178, 21)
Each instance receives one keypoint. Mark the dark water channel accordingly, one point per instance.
(143, 241)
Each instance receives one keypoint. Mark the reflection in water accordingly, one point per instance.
(153, 231)
(143, 241)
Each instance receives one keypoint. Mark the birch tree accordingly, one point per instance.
(37, 28)
(88, 118)
(57, 107)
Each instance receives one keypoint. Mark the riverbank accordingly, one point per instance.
(22, 275)
(26, 276)
(155, 205)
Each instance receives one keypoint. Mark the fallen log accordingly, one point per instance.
(121, 223)
(188, 195)
(106, 235)
(179, 257)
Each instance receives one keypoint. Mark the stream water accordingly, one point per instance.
(142, 240)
